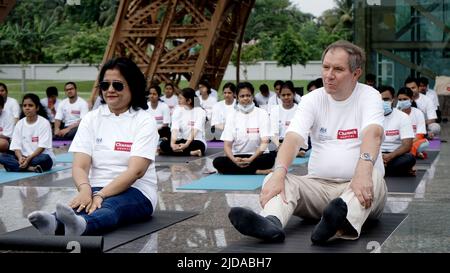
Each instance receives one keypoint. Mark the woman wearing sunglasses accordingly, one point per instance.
(114, 151)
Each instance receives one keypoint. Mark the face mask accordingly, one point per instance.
(403, 104)
(244, 108)
(387, 105)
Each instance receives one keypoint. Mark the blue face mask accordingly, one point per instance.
(403, 104)
(387, 105)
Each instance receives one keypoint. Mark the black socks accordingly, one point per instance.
(333, 218)
(249, 223)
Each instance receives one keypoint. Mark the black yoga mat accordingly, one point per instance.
(404, 184)
(160, 159)
(298, 234)
(431, 156)
(29, 239)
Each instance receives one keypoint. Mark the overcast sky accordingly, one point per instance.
(315, 7)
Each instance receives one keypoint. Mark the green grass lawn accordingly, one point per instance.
(84, 87)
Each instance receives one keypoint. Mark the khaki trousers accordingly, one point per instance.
(307, 197)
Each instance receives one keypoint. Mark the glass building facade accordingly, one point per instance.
(404, 38)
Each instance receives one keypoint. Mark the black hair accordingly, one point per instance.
(389, 88)
(319, 82)
(243, 85)
(35, 99)
(230, 86)
(371, 77)
(264, 88)
(290, 83)
(2, 102)
(278, 82)
(206, 84)
(189, 94)
(423, 80)
(4, 86)
(157, 88)
(169, 84)
(311, 84)
(51, 91)
(288, 86)
(134, 79)
(409, 93)
(411, 79)
(72, 83)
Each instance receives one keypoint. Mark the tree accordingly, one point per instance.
(339, 20)
(291, 49)
(250, 54)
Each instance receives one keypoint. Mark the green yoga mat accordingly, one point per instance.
(6, 177)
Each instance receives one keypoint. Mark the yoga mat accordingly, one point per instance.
(215, 144)
(29, 238)
(298, 234)
(185, 159)
(430, 159)
(226, 182)
(404, 184)
(12, 176)
(64, 158)
(434, 145)
(59, 143)
(300, 160)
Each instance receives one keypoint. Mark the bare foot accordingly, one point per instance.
(264, 171)
(196, 153)
(301, 154)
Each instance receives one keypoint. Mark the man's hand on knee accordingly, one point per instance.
(362, 186)
(273, 186)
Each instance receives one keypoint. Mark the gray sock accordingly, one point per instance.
(43, 221)
(74, 225)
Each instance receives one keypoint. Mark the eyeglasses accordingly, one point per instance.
(118, 86)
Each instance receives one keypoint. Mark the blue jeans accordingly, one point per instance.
(128, 207)
(11, 163)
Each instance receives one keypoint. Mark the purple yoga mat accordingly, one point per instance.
(59, 143)
(215, 144)
(435, 144)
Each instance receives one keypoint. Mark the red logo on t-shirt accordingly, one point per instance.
(392, 132)
(159, 118)
(35, 139)
(252, 130)
(75, 112)
(123, 146)
(347, 134)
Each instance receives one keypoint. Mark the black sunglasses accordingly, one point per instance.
(118, 86)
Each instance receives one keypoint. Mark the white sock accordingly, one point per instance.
(43, 221)
(74, 224)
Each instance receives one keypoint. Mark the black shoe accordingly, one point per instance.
(249, 223)
(333, 218)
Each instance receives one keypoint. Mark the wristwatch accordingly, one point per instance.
(367, 157)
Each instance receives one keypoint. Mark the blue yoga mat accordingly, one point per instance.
(12, 176)
(300, 160)
(64, 158)
(230, 182)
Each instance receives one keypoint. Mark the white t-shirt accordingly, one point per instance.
(263, 101)
(425, 105)
(275, 100)
(12, 106)
(172, 102)
(161, 113)
(6, 124)
(336, 128)
(28, 137)
(70, 113)
(44, 103)
(111, 140)
(220, 112)
(432, 95)
(208, 105)
(184, 120)
(246, 130)
(280, 119)
(417, 121)
(213, 93)
(397, 126)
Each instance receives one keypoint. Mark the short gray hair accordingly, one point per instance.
(357, 56)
